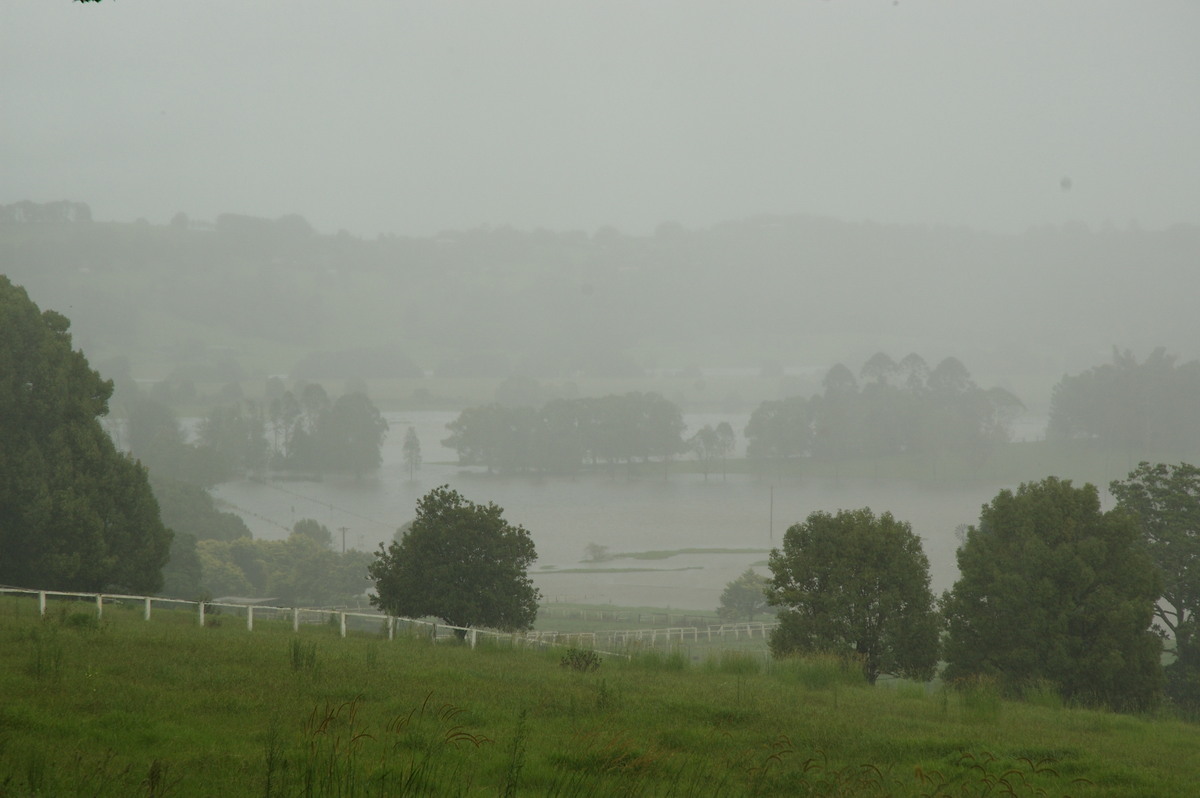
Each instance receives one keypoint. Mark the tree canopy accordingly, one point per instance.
(75, 514)
(924, 411)
(857, 586)
(461, 562)
(1054, 590)
(744, 597)
(566, 433)
(1165, 500)
(1130, 405)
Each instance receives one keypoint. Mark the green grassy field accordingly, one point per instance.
(127, 707)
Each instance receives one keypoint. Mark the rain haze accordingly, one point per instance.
(414, 118)
(727, 206)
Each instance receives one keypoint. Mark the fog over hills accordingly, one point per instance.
(244, 298)
(414, 118)
(611, 190)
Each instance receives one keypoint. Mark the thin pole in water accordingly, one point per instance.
(771, 528)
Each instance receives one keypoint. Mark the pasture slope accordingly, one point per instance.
(122, 706)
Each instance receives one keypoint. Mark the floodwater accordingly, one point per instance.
(625, 512)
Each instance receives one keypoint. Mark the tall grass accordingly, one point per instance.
(166, 708)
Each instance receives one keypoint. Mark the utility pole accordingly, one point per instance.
(771, 527)
(343, 530)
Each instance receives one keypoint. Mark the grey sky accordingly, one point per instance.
(386, 116)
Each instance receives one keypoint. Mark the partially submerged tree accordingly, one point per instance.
(412, 452)
(856, 586)
(1054, 590)
(461, 562)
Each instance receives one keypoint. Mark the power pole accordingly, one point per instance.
(343, 530)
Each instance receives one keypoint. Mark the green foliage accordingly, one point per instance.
(567, 433)
(155, 437)
(938, 411)
(299, 571)
(1165, 500)
(236, 435)
(189, 509)
(314, 530)
(303, 656)
(1135, 406)
(744, 597)
(75, 514)
(309, 433)
(424, 719)
(1053, 589)
(710, 444)
(583, 660)
(461, 562)
(856, 586)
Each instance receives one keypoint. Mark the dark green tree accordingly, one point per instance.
(779, 430)
(1054, 590)
(1130, 406)
(744, 597)
(236, 434)
(315, 531)
(190, 510)
(351, 434)
(75, 514)
(461, 562)
(856, 586)
(156, 438)
(1165, 500)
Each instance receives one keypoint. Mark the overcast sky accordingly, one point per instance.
(389, 116)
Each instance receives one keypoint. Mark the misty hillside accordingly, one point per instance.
(243, 297)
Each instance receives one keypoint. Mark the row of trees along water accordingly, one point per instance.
(298, 431)
(903, 407)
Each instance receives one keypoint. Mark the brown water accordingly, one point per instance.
(626, 513)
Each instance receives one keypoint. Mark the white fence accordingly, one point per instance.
(205, 610)
(674, 634)
(388, 625)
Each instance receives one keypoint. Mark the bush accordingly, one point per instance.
(582, 660)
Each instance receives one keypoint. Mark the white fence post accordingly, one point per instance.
(295, 619)
(472, 638)
(146, 614)
(250, 618)
(343, 623)
(391, 627)
(41, 602)
(200, 604)
(99, 606)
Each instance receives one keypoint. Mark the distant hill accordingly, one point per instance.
(257, 297)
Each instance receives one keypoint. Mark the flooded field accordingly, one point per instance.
(626, 513)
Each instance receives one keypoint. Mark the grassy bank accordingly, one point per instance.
(164, 708)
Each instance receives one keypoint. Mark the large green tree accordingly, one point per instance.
(1053, 589)
(461, 562)
(75, 514)
(1165, 500)
(857, 586)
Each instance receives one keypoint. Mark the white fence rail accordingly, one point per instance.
(382, 624)
(666, 636)
(389, 625)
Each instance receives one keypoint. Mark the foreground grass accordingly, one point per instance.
(128, 707)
